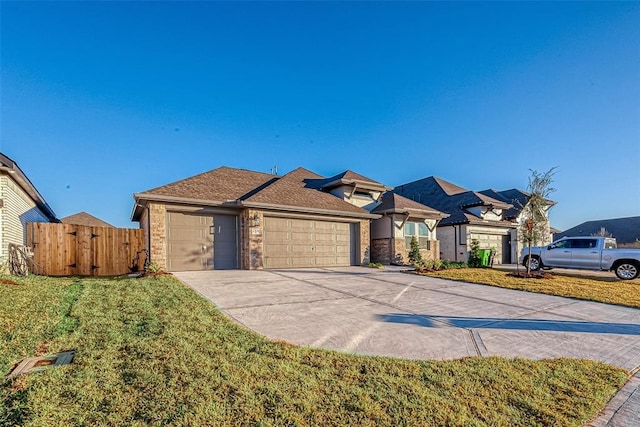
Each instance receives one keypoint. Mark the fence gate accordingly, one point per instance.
(70, 250)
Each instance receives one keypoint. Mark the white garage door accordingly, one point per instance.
(308, 243)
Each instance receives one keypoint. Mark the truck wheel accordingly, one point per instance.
(627, 271)
(534, 263)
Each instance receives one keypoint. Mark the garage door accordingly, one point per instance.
(198, 242)
(308, 243)
(499, 243)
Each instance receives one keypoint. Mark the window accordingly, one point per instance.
(420, 231)
(584, 243)
(562, 244)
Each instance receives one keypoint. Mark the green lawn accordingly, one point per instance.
(153, 352)
(609, 290)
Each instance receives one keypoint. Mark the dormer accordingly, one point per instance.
(355, 189)
(486, 208)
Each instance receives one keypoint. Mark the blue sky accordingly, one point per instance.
(101, 100)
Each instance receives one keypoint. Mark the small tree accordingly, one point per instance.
(536, 219)
(415, 258)
(474, 254)
(602, 233)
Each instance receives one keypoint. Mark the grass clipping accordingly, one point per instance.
(153, 352)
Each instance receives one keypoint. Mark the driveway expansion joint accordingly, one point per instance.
(238, 307)
(476, 339)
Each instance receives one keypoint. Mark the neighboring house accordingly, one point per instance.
(20, 202)
(491, 217)
(402, 219)
(625, 230)
(83, 218)
(233, 218)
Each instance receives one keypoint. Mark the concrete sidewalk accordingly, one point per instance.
(389, 313)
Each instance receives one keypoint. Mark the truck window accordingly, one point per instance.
(563, 244)
(610, 244)
(586, 243)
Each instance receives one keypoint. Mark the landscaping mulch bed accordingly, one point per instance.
(531, 275)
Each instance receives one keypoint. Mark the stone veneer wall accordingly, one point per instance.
(365, 241)
(251, 236)
(157, 231)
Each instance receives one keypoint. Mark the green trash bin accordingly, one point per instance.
(485, 254)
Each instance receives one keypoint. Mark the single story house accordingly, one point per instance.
(20, 202)
(230, 218)
(491, 217)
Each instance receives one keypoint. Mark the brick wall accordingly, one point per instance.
(381, 251)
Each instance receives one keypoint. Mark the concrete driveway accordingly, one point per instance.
(390, 313)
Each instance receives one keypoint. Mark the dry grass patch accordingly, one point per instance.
(153, 352)
(610, 291)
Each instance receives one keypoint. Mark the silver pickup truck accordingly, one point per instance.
(585, 253)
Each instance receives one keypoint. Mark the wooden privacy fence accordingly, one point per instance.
(68, 250)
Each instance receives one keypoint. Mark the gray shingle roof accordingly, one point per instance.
(448, 198)
(625, 230)
(517, 198)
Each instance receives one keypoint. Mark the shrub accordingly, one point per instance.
(446, 265)
(415, 258)
(474, 254)
(375, 265)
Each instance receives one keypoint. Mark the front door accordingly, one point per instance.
(506, 249)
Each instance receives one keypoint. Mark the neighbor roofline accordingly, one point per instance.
(499, 205)
(25, 183)
(271, 206)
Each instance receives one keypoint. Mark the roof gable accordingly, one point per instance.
(297, 189)
(395, 203)
(349, 177)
